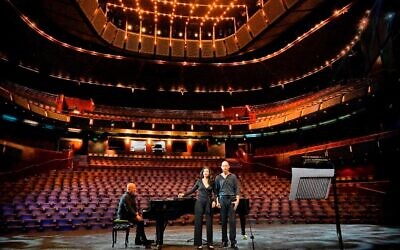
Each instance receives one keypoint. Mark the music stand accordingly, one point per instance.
(313, 181)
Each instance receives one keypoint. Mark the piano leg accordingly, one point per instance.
(242, 223)
(159, 231)
(242, 218)
(161, 224)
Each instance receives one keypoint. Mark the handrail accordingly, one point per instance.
(335, 144)
(34, 165)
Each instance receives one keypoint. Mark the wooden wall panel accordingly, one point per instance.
(310, 109)
(88, 7)
(331, 102)
(132, 42)
(276, 120)
(207, 50)
(231, 45)
(260, 124)
(147, 44)
(57, 116)
(21, 101)
(162, 46)
(38, 110)
(293, 115)
(109, 32)
(355, 94)
(192, 49)
(99, 20)
(257, 23)
(243, 36)
(119, 39)
(178, 48)
(273, 9)
(220, 49)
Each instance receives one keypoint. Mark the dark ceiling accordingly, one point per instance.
(50, 47)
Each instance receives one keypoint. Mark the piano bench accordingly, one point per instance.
(121, 225)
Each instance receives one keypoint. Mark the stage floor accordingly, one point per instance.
(266, 236)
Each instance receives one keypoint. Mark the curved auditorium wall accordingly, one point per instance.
(79, 112)
(268, 15)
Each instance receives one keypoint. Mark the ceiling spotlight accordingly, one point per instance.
(209, 34)
(180, 34)
(129, 27)
(158, 32)
(196, 35)
(144, 29)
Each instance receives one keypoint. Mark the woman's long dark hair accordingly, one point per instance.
(210, 178)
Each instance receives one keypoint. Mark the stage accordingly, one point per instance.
(266, 236)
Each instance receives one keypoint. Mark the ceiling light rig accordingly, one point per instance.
(328, 63)
(308, 33)
(191, 20)
(133, 86)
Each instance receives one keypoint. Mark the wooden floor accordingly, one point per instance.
(266, 236)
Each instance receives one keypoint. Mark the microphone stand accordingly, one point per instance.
(248, 222)
(251, 233)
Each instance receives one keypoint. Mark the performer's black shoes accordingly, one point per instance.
(138, 242)
(148, 242)
(144, 242)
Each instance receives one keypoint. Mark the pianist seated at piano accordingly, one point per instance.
(203, 206)
(128, 210)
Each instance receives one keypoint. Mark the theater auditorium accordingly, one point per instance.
(300, 97)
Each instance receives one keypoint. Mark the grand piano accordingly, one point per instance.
(163, 210)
